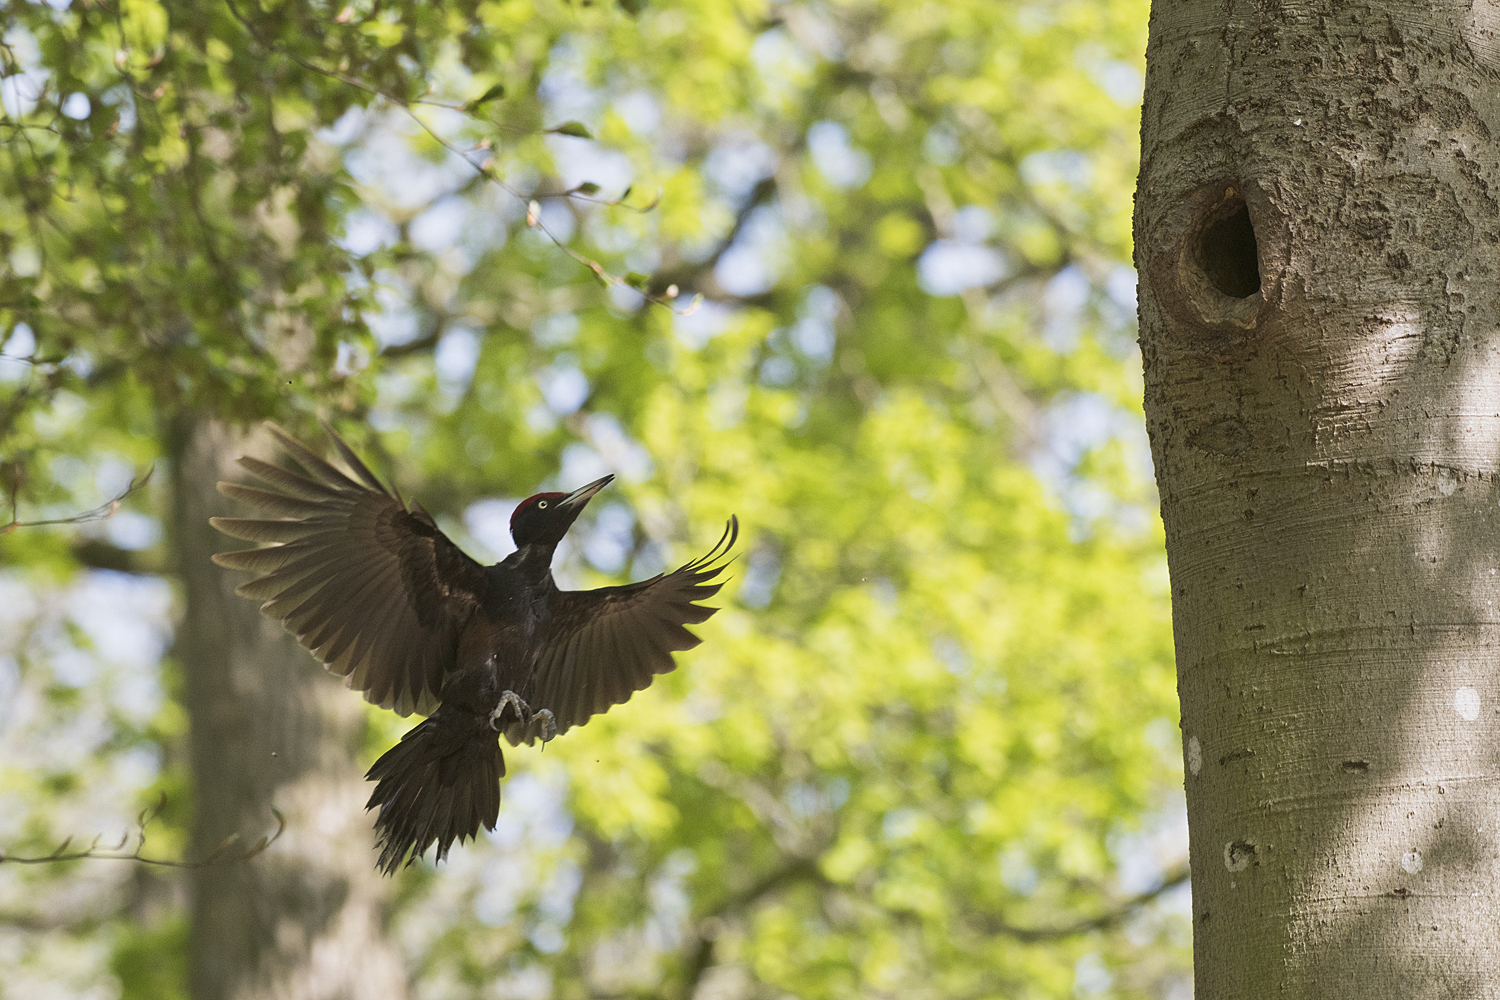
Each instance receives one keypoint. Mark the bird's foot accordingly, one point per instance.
(510, 698)
(548, 723)
(540, 723)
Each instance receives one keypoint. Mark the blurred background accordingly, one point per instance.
(858, 272)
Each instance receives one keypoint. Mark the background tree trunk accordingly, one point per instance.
(269, 727)
(1323, 400)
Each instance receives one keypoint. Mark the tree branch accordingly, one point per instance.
(219, 855)
(688, 275)
(416, 345)
(1105, 920)
(796, 870)
(100, 513)
(33, 923)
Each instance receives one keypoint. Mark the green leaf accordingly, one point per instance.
(587, 187)
(637, 280)
(575, 129)
(496, 91)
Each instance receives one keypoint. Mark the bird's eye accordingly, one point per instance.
(542, 504)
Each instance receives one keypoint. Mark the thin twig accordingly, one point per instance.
(218, 856)
(23, 126)
(99, 513)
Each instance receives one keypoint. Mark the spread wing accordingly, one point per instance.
(604, 645)
(373, 589)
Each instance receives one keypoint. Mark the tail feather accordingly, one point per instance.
(436, 786)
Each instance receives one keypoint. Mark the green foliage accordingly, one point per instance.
(151, 963)
(925, 735)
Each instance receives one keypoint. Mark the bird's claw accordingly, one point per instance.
(523, 710)
(542, 718)
(549, 723)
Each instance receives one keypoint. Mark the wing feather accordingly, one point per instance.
(352, 460)
(604, 645)
(570, 683)
(370, 586)
(611, 686)
(271, 502)
(290, 483)
(252, 530)
(593, 648)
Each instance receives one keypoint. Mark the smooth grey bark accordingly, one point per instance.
(305, 919)
(1318, 239)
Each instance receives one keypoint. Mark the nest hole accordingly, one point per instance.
(1227, 252)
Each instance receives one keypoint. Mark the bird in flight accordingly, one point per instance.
(385, 600)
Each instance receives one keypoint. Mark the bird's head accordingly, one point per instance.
(544, 519)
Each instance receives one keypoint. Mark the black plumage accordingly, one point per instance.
(383, 598)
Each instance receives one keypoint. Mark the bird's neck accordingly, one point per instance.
(533, 561)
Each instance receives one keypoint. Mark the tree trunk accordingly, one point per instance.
(1316, 235)
(1317, 239)
(304, 920)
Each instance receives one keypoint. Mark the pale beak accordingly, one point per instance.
(584, 494)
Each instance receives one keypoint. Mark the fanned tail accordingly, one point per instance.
(438, 785)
